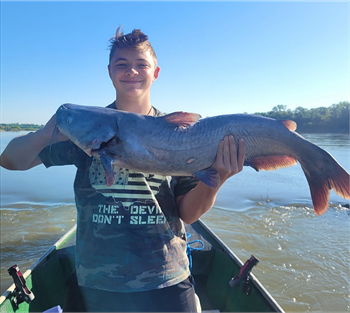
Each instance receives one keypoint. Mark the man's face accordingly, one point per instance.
(132, 72)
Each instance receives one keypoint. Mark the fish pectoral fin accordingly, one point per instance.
(182, 119)
(270, 162)
(107, 165)
(209, 176)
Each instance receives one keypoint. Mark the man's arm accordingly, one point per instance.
(200, 199)
(22, 153)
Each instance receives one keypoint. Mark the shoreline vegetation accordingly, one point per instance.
(334, 119)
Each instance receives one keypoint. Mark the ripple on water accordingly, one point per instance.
(28, 230)
(304, 258)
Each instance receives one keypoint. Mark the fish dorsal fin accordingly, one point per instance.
(291, 125)
(182, 119)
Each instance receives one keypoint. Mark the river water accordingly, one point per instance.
(304, 258)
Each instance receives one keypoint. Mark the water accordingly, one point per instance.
(304, 258)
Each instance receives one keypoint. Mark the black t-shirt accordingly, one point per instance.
(129, 235)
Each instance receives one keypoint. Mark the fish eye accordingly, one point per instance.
(69, 119)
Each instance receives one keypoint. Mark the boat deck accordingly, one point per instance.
(212, 268)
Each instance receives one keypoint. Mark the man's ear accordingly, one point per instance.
(109, 71)
(156, 73)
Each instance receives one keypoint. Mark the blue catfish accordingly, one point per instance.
(183, 144)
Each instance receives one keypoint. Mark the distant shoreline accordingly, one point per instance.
(334, 119)
(300, 131)
(19, 127)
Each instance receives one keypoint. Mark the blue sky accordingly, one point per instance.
(215, 57)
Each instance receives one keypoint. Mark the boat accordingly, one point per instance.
(223, 283)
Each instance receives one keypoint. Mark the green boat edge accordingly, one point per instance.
(212, 268)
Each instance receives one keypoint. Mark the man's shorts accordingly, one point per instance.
(177, 298)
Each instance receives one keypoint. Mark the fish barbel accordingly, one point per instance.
(183, 144)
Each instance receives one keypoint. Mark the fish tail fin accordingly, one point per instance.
(324, 178)
(341, 186)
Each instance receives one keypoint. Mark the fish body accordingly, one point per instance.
(183, 144)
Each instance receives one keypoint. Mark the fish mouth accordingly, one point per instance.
(105, 145)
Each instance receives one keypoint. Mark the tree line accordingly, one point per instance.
(20, 127)
(319, 120)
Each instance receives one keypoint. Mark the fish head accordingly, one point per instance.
(90, 128)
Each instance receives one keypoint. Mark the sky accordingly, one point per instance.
(215, 57)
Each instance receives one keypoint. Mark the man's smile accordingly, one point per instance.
(131, 81)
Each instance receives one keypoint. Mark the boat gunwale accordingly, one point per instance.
(43, 258)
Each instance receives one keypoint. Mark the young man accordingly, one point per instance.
(131, 241)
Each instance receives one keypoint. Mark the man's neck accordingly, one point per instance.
(135, 106)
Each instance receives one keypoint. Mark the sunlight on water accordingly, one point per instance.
(303, 258)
